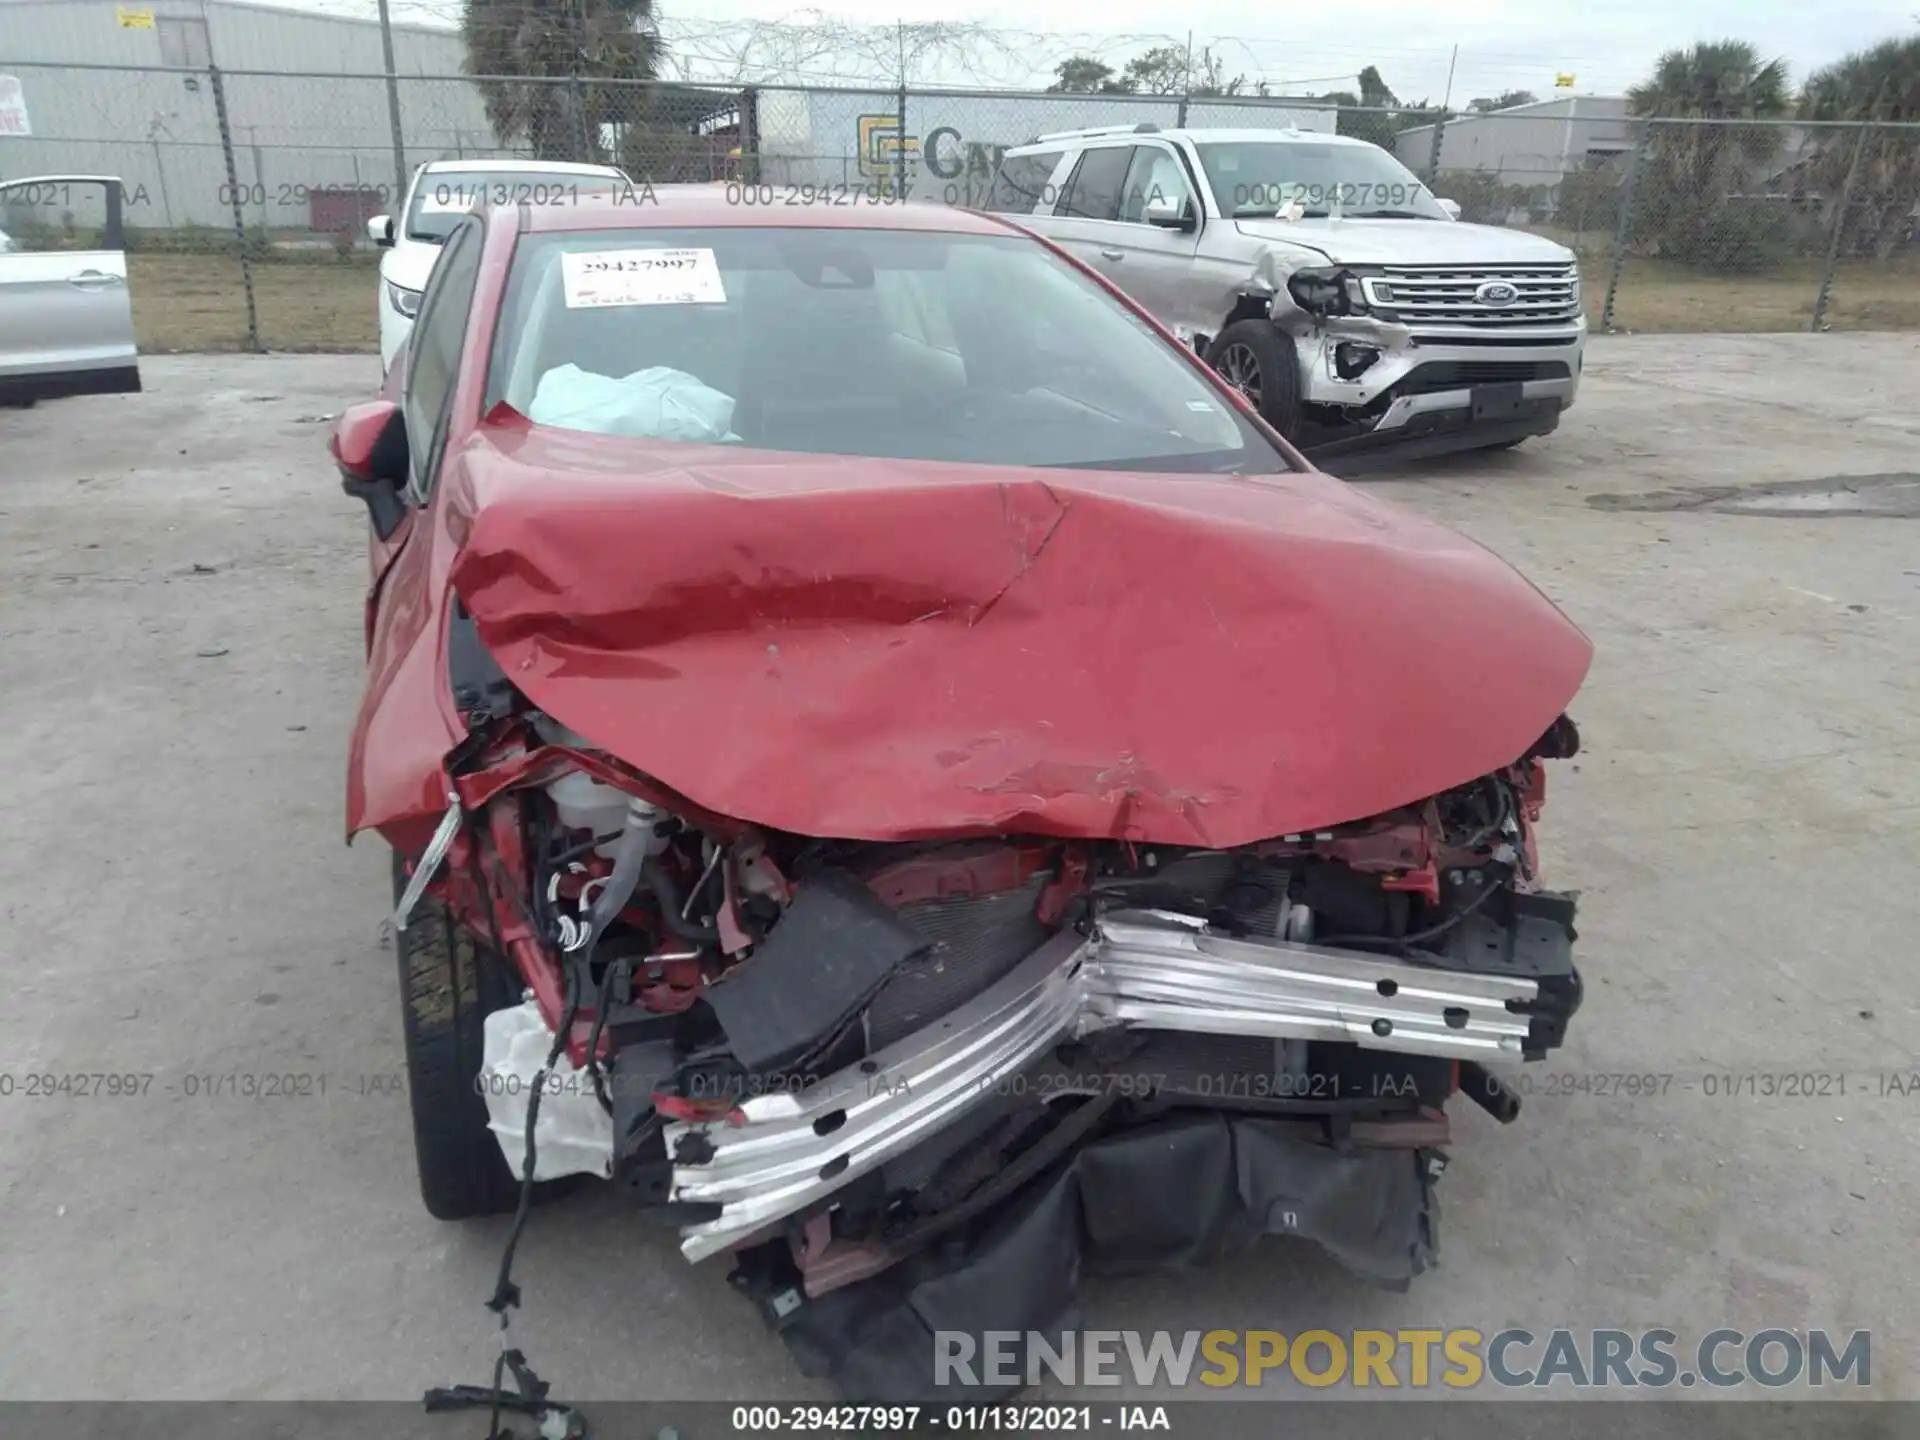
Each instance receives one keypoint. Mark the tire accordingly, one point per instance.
(1260, 362)
(449, 984)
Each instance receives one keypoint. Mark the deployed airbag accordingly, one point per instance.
(659, 403)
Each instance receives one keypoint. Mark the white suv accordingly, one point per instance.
(1319, 276)
(440, 194)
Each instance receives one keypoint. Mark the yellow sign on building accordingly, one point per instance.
(884, 151)
(135, 19)
(1563, 81)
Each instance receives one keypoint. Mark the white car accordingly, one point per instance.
(444, 190)
(66, 321)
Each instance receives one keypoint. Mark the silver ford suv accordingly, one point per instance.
(1318, 275)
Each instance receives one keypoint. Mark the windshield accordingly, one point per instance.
(896, 344)
(441, 197)
(1261, 177)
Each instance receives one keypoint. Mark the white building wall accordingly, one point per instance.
(159, 132)
(1526, 145)
(848, 137)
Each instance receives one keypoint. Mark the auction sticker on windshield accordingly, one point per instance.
(641, 277)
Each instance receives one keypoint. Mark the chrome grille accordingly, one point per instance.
(1436, 295)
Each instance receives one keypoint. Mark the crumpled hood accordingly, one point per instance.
(888, 650)
(1410, 242)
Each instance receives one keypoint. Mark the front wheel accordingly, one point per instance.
(1262, 364)
(449, 984)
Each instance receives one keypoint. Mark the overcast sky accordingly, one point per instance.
(1503, 44)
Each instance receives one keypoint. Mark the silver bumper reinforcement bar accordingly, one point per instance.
(1150, 970)
(1405, 407)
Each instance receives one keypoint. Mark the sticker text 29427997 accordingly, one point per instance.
(641, 277)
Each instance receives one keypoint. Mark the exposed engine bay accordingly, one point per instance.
(833, 1057)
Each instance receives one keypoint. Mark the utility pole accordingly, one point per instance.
(1186, 87)
(1440, 122)
(393, 114)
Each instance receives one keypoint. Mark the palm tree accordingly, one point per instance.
(1691, 170)
(1375, 114)
(1719, 80)
(543, 55)
(1880, 84)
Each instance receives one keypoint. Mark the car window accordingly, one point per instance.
(1024, 182)
(913, 345)
(1155, 174)
(913, 309)
(1260, 177)
(434, 351)
(61, 213)
(1094, 191)
(441, 198)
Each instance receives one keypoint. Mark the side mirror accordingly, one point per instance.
(369, 444)
(1169, 212)
(1452, 207)
(380, 230)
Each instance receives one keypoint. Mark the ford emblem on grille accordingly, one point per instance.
(1496, 292)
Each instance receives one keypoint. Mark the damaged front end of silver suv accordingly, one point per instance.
(1411, 357)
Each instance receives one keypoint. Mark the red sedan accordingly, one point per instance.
(894, 761)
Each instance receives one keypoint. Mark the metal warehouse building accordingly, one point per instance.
(1532, 145)
(307, 150)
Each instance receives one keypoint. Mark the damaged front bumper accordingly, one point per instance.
(1353, 362)
(1389, 393)
(782, 1153)
(1383, 381)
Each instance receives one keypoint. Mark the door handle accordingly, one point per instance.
(1106, 254)
(93, 280)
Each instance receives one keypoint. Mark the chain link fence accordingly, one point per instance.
(246, 195)
(1694, 225)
